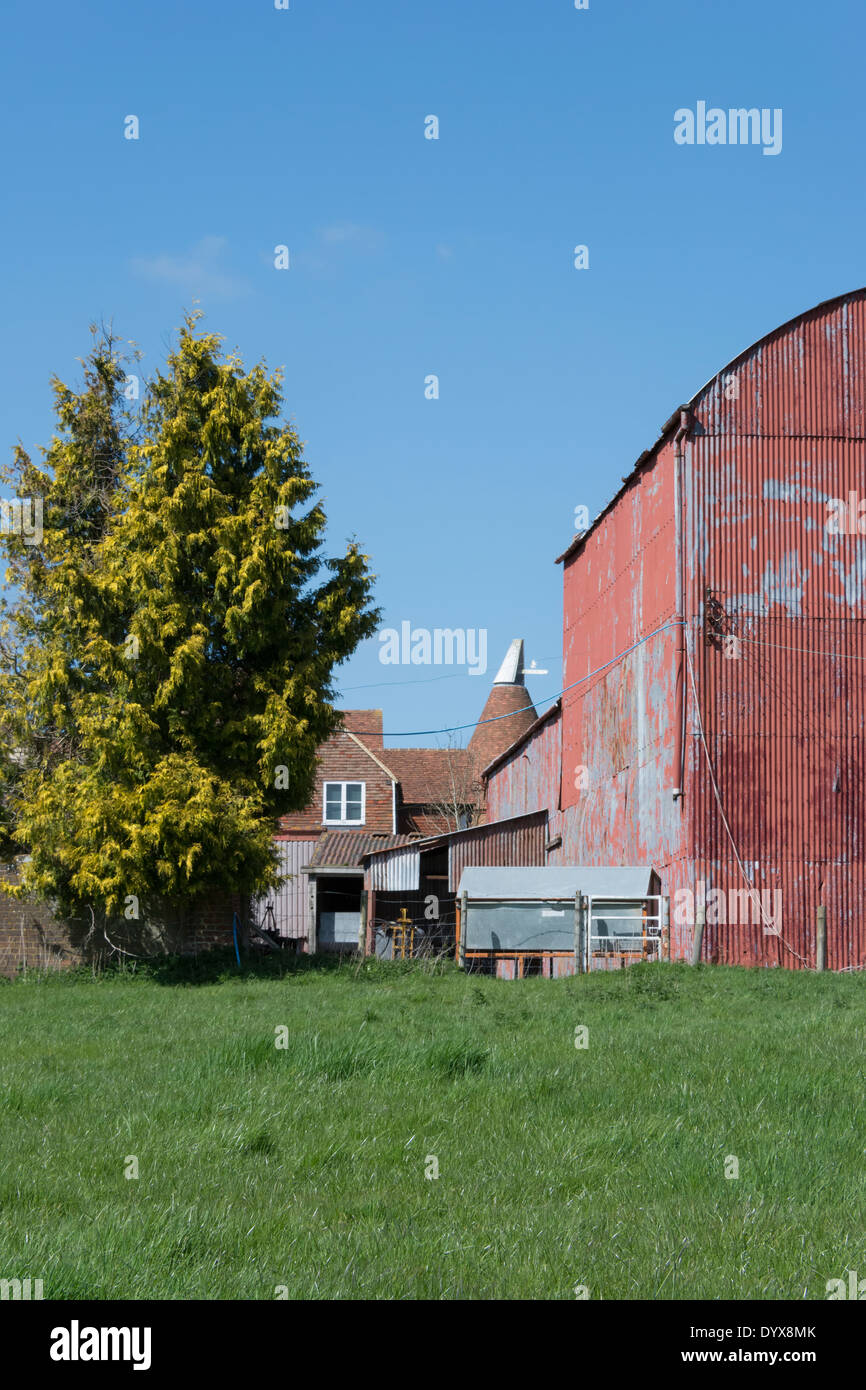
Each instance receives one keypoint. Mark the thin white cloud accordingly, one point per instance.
(351, 234)
(199, 272)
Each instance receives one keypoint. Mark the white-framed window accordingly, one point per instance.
(343, 803)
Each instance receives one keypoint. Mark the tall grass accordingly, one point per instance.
(309, 1167)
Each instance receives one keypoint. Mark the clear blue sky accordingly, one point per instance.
(412, 257)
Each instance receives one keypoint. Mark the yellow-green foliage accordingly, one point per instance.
(169, 647)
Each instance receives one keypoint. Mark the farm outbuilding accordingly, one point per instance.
(419, 880)
(713, 714)
(558, 921)
(335, 875)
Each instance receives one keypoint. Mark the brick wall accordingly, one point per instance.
(32, 938)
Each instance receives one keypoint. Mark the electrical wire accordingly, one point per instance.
(429, 680)
(425, 680)
(543, 700)
(806, 651)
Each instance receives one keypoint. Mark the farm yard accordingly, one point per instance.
(309, 1170)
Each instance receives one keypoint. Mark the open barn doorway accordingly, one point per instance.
(338, 911)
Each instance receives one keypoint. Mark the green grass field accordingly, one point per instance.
(305, 1167)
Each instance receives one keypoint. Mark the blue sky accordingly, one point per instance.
(413, 257)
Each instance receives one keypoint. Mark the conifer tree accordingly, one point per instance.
(167, 652)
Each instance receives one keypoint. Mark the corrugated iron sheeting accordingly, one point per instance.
(803, 381)
(618, 724)
(785, 720)
(397, 872)
(518, 843)
(289, 901)
(346, 848)
(772, 438)
(528, 779)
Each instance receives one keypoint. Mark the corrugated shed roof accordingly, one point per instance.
(486, 828)
(346, 848)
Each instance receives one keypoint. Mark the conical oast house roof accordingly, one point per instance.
(507, 714)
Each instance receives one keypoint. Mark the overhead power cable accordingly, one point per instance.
(543, 699)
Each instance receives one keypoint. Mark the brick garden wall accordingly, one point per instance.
(32, 938)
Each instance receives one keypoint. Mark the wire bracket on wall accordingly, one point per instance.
(718, 622)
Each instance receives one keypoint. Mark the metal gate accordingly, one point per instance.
(622, 931)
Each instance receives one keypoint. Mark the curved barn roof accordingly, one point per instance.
(774, 401)
(778, 332)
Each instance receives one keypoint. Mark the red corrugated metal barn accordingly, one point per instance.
(714, 714)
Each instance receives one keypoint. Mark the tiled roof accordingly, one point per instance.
(366, 724)
(429, 775)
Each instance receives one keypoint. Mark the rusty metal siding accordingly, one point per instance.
(785, 716)
(508, 968)
(528, 780)
(805, 380)
(618, 740)
(518, 843)
(290, 900)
